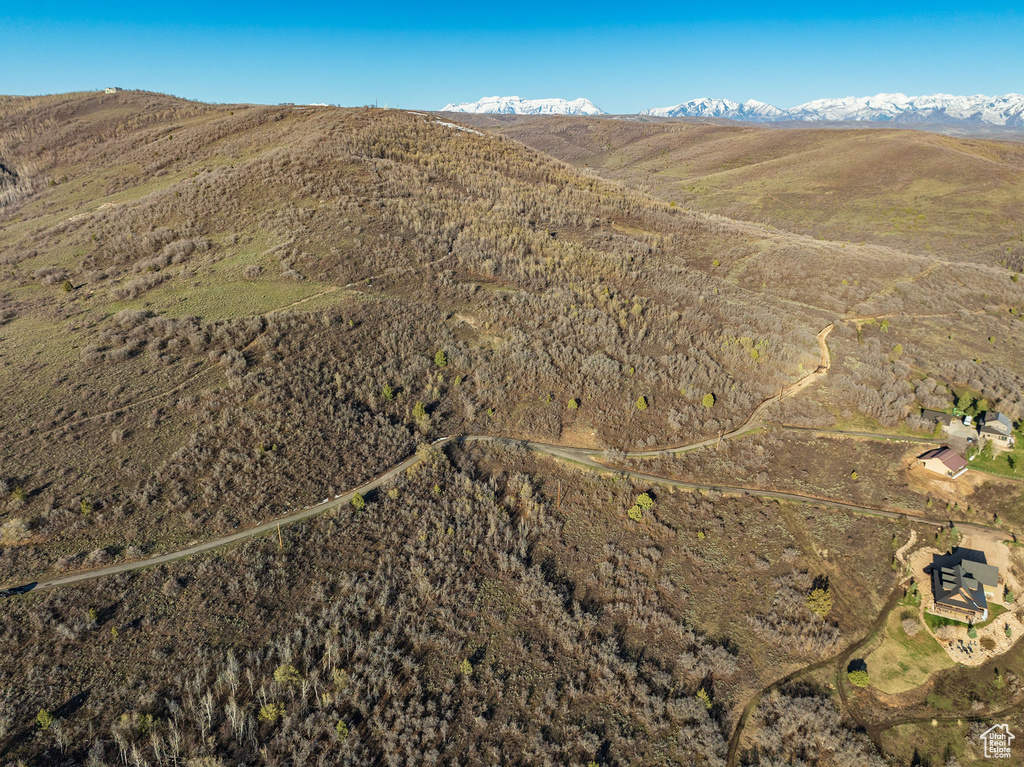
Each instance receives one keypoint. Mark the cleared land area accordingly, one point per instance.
(905, 660)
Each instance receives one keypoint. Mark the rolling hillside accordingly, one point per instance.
(210, 289)
(186, 283)
(213, 314)
(920, 192)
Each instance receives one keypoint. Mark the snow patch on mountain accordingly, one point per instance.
(937, 107)
(942, 108)
(462, 128)
(514, 105)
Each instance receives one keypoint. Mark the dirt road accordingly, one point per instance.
(266, 527)
(839, 657)
(580, 456)
(862, 434)
(587, 458)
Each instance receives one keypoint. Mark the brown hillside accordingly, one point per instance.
(927, 193)
(191, 292)
(213, 315)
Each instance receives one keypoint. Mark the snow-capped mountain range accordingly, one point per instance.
(885, 107)
(513, 105)
(751, 111)
(1005, 110)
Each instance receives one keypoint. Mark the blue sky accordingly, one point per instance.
(426, 54)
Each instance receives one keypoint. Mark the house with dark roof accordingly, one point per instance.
(943, 461)
(962, 585)
(997, 429)
(934, 417)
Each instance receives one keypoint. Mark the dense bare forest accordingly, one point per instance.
(212, 315)
(441, 623)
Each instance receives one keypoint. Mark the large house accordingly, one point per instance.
(962, 586)
(997, 429)
(943, 461)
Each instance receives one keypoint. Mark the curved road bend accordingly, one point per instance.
(883, 615)
(579, 455)
(754, 420)
(873, 731)
(585, 457)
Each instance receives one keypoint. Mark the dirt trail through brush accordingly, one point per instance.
(577, 455)
(902, 550)
(754, 420)
(734, 741)
(903, 315)
(116, 411)
(207, 368)
(363, 281)
(584, 457)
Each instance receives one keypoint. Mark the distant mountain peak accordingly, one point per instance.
(707, 107)
(518, 106)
